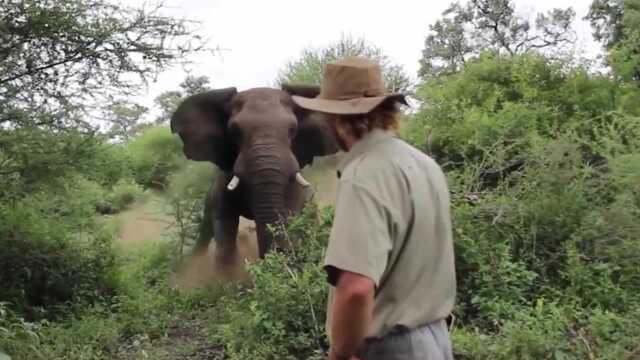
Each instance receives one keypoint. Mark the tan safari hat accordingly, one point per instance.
(350, 86)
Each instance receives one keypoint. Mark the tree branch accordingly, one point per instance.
(41, 68)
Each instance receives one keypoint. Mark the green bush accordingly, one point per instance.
(537, 333)
(17, 337)
(111, 164)
(184, 200)
(142, 305)
(53, 252)
(124, 193)
(142, 284)
(554, 331)
(155, 154)
(192, 181)
(88, 192)
(504, 104)
(542, 161)
(281, 313)
(105, 200)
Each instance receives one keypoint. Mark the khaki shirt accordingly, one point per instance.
(392, 225)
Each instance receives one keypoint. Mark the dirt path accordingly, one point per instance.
(145, 221)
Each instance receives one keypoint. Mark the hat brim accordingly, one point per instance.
(356, 106)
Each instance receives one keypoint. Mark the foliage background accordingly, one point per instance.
(542, 153)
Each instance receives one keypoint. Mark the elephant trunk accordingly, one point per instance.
(269, 176)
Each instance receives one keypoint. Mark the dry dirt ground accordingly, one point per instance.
(146, 222)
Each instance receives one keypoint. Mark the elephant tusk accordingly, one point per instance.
(233, 184)
(301, 180)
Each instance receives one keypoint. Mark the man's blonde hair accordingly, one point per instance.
(386, 117)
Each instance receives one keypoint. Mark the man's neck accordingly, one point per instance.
(348, 140)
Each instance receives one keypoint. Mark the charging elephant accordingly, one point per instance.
(259, 139)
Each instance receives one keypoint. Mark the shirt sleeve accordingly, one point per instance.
(360, 241)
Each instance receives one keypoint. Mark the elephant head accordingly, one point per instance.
(260, 139)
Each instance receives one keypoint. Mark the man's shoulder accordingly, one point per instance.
(394, 154)
(408, 154)
(371, 161)
(387, 158)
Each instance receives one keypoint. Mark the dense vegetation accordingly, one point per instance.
(542, 153)
(543, 166)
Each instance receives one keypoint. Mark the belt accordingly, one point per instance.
(398, 333)
(403, 342)
(397, 330)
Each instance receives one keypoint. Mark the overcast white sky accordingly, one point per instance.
(260, 36)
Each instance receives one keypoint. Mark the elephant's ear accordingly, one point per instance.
(201, 122)
(315, 137)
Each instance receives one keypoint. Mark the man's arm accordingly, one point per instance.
(352, 312)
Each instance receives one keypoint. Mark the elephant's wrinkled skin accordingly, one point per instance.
(259, 140)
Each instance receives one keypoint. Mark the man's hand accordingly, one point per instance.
(351, 313)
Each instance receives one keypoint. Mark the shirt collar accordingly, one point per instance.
(368, 141)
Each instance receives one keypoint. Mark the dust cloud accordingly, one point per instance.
(203, 270)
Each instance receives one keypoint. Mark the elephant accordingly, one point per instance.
(259, 140)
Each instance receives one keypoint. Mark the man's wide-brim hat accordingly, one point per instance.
(350, 86)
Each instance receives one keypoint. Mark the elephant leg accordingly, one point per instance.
(226, 219)
(226, 232)
(265, 238)
(206, 229)
(268, 236)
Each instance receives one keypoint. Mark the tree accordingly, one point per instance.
(57, 58)
(124, 117)
(493, 26)
(62, 52)
(308, 68)
(168, 101)
(605, 17)
(195, 85)
(625, 56)
(616, 23)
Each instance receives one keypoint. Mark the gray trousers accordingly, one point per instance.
(428, 342)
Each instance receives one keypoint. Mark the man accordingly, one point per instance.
(390, 255)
